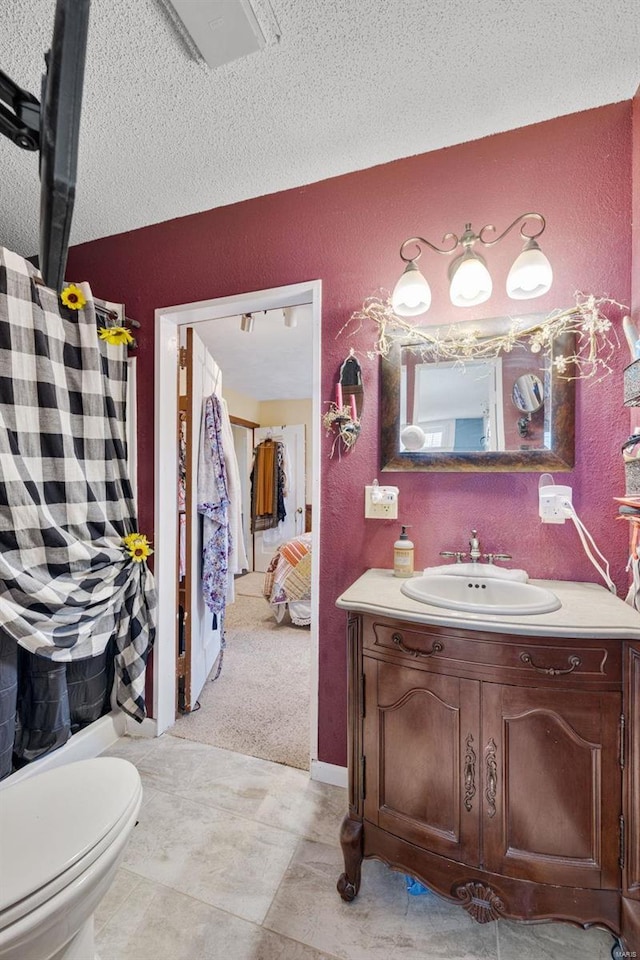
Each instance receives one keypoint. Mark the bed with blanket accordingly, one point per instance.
(287, 581)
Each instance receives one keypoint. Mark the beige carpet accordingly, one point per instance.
(259, 705)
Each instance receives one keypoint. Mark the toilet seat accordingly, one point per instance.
(69, 817)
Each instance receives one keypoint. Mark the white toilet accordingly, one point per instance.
(62, 835)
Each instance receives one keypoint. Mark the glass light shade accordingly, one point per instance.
(470, 281)
(531, 274)
(411, 294)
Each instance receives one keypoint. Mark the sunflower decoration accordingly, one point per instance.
(115, 335)
(137, 546)
(73, 297)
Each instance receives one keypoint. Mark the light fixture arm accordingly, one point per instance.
(419, 240)
(530, 275)
(521, 219)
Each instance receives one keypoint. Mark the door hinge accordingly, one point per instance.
(362, 696)
(182, 358)
(622, 745)
(363, 775)
(622, 842)
(181, 695)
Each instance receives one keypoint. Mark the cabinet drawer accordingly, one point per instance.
(519, 658)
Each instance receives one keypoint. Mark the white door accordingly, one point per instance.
(265, 543)
(243, 443)
(204, 377)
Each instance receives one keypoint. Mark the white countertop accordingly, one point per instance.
(588, 610)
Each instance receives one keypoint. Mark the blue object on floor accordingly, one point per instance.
(414, 887)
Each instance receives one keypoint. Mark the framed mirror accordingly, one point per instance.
(510, 412)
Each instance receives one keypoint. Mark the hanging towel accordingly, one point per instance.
(213, 504)
(67, 583)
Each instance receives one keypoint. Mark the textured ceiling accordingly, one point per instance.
(273, 362)
(351, 84)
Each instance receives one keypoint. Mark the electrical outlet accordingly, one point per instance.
(551, 510)
(385, 508)
(552, 499)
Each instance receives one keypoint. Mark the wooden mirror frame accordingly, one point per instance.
(560, 456)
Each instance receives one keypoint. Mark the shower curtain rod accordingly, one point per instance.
(110, 314)
(52, 127)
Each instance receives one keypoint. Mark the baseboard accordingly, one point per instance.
(329, 773)
(88, 743)
(148, 727)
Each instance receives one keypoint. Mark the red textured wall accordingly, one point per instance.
(635, 173)
(346, 231)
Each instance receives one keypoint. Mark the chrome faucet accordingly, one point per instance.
(458, 554)
(474, 547)
(475, 553)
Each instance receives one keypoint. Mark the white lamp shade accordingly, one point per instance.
(471, 282)
(412, 294)
(531, 274)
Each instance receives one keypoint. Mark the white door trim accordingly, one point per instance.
(167, 321)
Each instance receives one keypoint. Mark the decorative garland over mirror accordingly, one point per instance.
(594, 336)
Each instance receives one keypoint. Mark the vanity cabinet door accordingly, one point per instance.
(552, 785)
(421, 749)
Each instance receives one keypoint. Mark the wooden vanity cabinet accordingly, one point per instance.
(631, 800)
(492, 768)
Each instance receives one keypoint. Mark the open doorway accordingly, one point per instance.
(258, 622)
(253, 695)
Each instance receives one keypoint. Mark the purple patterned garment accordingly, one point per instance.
(213, 504)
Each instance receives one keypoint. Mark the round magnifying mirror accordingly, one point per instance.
(528, 393)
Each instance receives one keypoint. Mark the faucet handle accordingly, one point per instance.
(502, 556)
(458, 554)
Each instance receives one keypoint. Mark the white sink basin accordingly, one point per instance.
(481, 595)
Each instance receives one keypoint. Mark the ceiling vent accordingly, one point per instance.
(220, 31)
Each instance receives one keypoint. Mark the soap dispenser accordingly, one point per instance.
(403, 556)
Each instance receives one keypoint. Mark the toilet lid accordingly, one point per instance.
(52, 820)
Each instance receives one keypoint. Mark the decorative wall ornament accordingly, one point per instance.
(338, 420)
(345, 413)
(596, 339)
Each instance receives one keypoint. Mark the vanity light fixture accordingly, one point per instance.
(470, 281)
(247, 322)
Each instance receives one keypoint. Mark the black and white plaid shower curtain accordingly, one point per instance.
(67, 584)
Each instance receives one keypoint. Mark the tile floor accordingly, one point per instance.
(236, 858)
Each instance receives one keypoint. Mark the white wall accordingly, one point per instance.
(241, 405)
